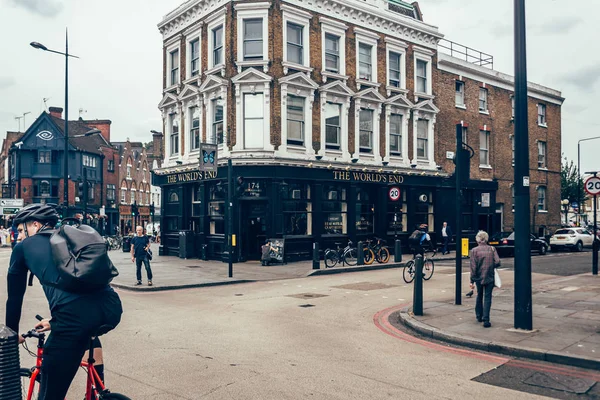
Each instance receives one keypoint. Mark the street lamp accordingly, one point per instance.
(579, 175)
(40, 46)
(565, 204)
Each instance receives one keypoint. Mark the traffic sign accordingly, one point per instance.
(394, 193)
(592, 185)
(11, 202)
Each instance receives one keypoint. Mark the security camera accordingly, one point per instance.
(423, 198)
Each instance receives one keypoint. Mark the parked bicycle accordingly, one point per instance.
(114, 242)
(408, 273)
(347, 255)
(379, 251)
(30, 378)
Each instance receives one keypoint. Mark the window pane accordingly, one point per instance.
(295, 118)
(366, 128)
(253, 50)
(253, 29)
(218, 37)
(421, 76)
(394, 69)
(332, 122)
(364, 61)
(395, 133)
(422, 127)
(253, 105)
(294, 33)
(253, 120)
(217, 131)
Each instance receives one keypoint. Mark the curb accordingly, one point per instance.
(372, 267)
(142, 288)
(496, 347)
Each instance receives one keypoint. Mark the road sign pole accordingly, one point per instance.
(592, 187)
(595, 245)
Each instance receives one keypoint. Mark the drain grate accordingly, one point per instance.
(306, 305)
(307, 295)
(560, 382)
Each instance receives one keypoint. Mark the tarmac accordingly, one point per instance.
(566, 310)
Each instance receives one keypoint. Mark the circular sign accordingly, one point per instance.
(592, 185)
(394, 193)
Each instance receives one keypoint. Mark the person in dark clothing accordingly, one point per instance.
(139, 253)
(74, 316)
(484, 259)
(446, 237)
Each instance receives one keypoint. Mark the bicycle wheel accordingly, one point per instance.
(408, 273)
(383, 255)
(369, 256)
(25, 375)
(428, 269)
(331, 258)
(351, 256)
(113, 396)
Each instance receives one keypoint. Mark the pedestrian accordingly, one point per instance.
(139, 253)
(446, 237)
(484, 259)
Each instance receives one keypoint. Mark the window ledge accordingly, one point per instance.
(191, 79)
(290, 65)
(217, 68)
(542, 211)
(253, 63)
(484, 112)
(392, 89)
(462, 107)
(363, 82)
(543, 125)
(425, 95)
(171, 88)
(296, 148)
(333, 75)
(485, 167)
(542, 169)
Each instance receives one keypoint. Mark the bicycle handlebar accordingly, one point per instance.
(38, 317)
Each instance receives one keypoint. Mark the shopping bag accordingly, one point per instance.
(497, 280)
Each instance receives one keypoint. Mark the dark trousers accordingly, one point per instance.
(72, 326)
(445, 241)
(138, 268)
(483, 304)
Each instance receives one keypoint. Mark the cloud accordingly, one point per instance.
(45, 8)
(560, 26)
(6, 82)
(501, 29)
(584, 78)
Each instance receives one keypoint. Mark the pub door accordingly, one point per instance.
(253, 228)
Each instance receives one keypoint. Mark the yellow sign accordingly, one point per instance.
(233, 240)
(465, 247)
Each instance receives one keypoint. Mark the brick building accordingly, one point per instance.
(323, 106)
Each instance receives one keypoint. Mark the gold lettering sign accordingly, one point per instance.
(375, 177)
(192, 176)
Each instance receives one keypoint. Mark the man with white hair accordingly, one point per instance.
(484, 259)
(139, 253)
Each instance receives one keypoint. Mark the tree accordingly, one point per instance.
(571, 186)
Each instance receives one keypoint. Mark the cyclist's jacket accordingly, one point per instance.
(35, 254)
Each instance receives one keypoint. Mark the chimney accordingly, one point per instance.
(103, 125)
(157, 145)
(56, 112)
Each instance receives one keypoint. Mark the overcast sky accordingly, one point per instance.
(118, 76)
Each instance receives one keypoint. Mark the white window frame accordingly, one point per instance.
(487, 149)
(401, 134)
(334, 95)
(542, 154)
(304, 117)
(124, 194)
(462, 105)
(512, 105)
(213, 122)
(483, 90)
(427, 143)
(542, 189)
(249, 11)
(376, 107)
(399, 47)
(431, 117)
(302, 18)
(425, 55)
(170, 49)
(191, 35)
(171, 118)
(371, 149)
(331, 27)
(190, 144)
(541, 112)
(398, 105)
(215, 88)
(370, 39)
(213, 22)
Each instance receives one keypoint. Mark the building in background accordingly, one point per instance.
(324, 107)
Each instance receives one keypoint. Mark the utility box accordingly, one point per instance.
(186, 244)
(465, 247)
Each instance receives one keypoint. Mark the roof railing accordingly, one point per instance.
(466, 53)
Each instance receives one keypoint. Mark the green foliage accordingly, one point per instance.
(571, 186)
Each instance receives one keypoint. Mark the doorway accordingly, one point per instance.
(253, 229)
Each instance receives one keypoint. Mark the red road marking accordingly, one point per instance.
(381, 320)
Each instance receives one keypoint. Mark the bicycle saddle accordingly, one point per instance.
(103, 329)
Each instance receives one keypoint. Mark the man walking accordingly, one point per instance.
(484, 259)
(139, 253)
(446, 237)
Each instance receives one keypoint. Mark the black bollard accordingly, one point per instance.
(418, 288)
(397, 251)
(10, 381)
(316, 260)
(361, 254)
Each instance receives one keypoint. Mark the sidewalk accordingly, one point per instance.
(566, 322)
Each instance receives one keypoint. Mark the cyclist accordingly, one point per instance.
(419, 239)
(75, 316)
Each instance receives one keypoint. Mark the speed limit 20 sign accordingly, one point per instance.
(394, 193)
(592, 185)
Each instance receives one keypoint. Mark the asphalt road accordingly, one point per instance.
(313, 337)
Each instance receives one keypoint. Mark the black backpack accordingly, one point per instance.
(81, 258)
(415, 238)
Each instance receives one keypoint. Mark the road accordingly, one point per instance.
(302, 338)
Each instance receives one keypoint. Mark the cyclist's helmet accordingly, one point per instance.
(37, 212)
(423, 226)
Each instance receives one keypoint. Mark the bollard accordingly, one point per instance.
(10, 382)
(397, 251)
(316, 260)
(361, 254)
(418, 288)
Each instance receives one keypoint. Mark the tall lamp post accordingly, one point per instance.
(579, 176)
(565, 204)
(66, 161)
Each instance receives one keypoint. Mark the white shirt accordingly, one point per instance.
(444, 232)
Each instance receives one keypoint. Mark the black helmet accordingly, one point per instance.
(37, 212)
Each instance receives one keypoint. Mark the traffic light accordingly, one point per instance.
(152, 209)
(134, 209)
(80, 188)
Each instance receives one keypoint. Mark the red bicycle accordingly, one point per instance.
(95, 389)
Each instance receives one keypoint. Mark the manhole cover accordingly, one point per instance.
(560, 382)
(306, 305)
(307, 295)
(192, 266)
(365, 286)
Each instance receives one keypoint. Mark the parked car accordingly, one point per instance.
(571, 238)
(504, 242)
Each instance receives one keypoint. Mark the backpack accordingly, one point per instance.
(415, 238)
(81, 258)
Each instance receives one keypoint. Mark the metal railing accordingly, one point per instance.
(468, 54)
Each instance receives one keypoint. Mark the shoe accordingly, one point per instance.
(138, 283)
(479, 319)
(149, 283)
(487, 324)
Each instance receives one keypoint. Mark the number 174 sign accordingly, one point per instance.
(592, 185)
